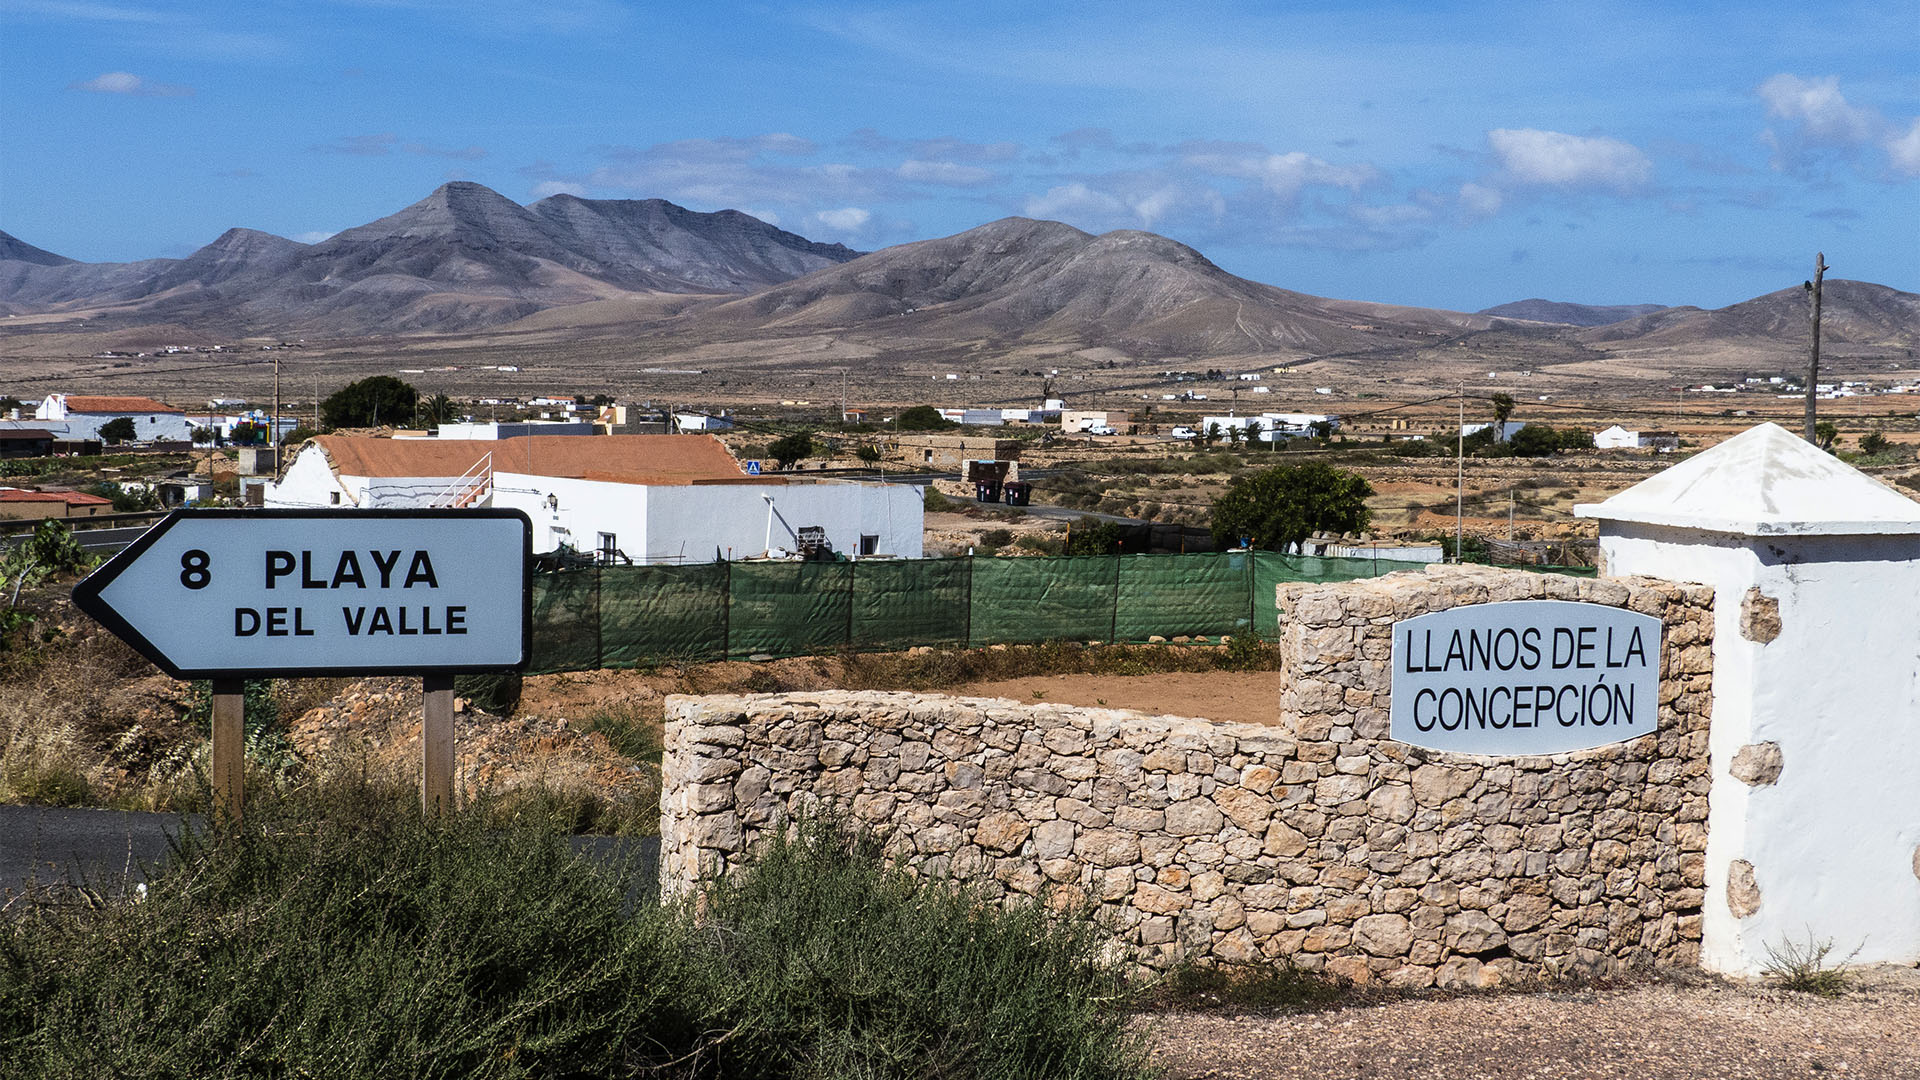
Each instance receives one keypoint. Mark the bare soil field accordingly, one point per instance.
(1681, 1026)
(1239, 697)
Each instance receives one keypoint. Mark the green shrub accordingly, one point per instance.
(1041, 543)
(934, 502)
(336, 933)
(1803, 967)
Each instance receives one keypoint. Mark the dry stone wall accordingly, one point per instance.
(1317, 839)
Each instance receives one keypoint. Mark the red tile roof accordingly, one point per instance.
(82, 403)
(71, 498)
(627, 459)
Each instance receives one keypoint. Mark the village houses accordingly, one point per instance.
(623, 498)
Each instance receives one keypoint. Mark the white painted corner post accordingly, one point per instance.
(1814, 812)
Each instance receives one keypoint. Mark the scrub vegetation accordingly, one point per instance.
(336, 933)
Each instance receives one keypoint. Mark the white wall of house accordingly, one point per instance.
(690, 523)
(575, 512)
(147, 427)
(513, 429)
(735, 516)
(310, 483)
(1616, 438)
(1077, 420)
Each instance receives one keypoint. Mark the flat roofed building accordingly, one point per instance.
(633, 498)
(83, 415)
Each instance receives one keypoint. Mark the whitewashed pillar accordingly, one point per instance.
(1814, 812)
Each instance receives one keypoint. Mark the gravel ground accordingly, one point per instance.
(1675, 1028)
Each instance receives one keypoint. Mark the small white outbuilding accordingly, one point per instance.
(1813, 823)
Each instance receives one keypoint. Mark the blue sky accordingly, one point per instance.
(1441, 154)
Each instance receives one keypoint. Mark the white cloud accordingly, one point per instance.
(129, 84)
(548, 188)
(314, 237)
(1531, 156)
(946, 173)
(1286, 174)
(846, 220)
(1903, 151)
(1388, 217)
(1075, 199)
(1154, 205)
(1820, 111)
(1479, 200)
(713, 174)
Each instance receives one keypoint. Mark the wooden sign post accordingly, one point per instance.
(231, 595)
(229, 746)
(436, 745)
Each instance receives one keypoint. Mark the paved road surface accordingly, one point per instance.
(108, 851)
(54, 851)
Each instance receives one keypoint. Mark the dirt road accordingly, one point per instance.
(1684, 1027)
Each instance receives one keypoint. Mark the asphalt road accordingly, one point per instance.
(49, 850)
(54, 853)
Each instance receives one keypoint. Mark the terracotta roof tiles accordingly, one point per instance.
(84, 403)
(628, 459)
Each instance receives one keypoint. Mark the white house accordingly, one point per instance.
(1619, 438)
(1074, 421)
(1297, 424)
(693, 421)
(1271, 425)
(1503, 435)
(1616, 438)
(641, 498)
(491, 430)
(84, 415)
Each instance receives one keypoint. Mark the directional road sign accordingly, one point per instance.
(249, 593)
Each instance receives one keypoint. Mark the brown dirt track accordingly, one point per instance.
(1683, 1027)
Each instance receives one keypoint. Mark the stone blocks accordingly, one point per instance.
(1318, 840)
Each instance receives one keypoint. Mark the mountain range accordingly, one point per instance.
(468, 259)
(463, 257)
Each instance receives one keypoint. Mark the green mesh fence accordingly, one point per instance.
(789, 609)
(629, 615)
(904, 603)
(1171, 595)
(650, 613)
(1019, 601)
(566, 622)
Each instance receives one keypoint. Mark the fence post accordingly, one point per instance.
(967, 642)
(852, 568)
(726, 609)
(1113, 626)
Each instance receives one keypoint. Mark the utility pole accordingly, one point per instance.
(1460, 490)
(1813, 360)
(273, 422)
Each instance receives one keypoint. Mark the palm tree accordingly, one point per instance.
(1502, 408)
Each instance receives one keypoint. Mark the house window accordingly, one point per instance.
(608, 545)
(333, 497)
(929, 454)
(869, 544)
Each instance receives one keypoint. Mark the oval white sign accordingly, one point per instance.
(1525, 677)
